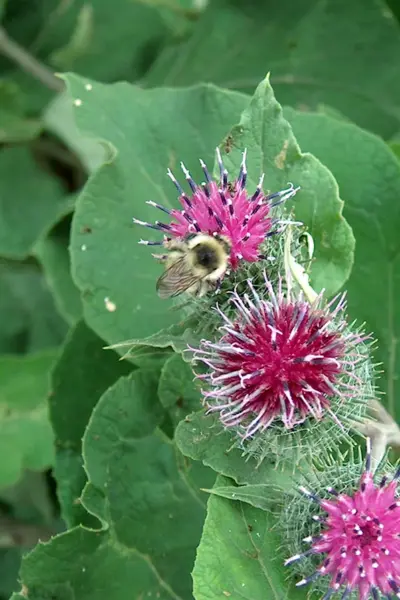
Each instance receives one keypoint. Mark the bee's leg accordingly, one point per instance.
(218, 286)
(173, 244)
(195, 289)
(204, 286)
(160, 257)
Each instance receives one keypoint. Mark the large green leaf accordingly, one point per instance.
(142, 490)
(83, 372)
(238, 556)
(147, 131)
(26, 438)
(369, 178)
(272, 149)
(30, 202)
(317, 52)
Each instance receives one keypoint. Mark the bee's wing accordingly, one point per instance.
(176, 279)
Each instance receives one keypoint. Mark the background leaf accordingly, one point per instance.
(369, 178)
(29, 321)
(26, 438)
(30, 202)
(14, 125)
(52, 252)
(299, 45)
(82, 373)
(96, 39)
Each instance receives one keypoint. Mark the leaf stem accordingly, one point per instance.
(28, 63)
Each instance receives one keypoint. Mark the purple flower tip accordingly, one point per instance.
(222, 208)
(360, 538)
(279, 360)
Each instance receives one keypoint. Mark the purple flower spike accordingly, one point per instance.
(360, 538)
(280, 360)
(223, 208)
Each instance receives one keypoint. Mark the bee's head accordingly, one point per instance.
(208, 255)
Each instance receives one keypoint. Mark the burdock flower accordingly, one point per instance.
(282, 361)
(222, 208)
(359, 538)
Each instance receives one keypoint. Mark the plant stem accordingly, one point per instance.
(29, 63)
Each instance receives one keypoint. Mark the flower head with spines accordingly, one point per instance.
(282, 360)
(223, 208)
(359, 538)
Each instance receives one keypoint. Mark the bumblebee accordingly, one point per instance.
(193, 264)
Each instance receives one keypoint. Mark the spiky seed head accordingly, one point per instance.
(284, 363)
(221, 207)
(357, 545)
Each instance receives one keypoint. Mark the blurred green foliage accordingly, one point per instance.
(87, 440)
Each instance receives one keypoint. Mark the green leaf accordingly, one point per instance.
(395, 148)
(317, 53)
(200, 437)
(147, 356)
(265, 496)
(120, 302)
(238, 555)
(369, 178)
(28, 318)
(10, 560)
(59, 120)
(30, 202)
(83, 372)
(101, 568)
(177, 390)
(272, 149)
(26, 437)
(177, 336)
(52, 251)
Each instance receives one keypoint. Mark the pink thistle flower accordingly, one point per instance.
(280, 360)
(360, 537)
(222, 208)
